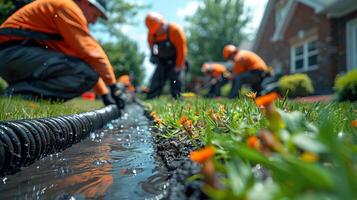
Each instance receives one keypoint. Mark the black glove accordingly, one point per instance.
(107, 99)
(117, 94)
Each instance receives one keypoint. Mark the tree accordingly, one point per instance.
(215, 24)
(125, 58)
(123, 52)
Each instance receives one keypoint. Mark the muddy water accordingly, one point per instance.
(117, 162)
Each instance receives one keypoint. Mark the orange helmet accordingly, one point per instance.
(229, 50)
(124, 79)
(206, 68)
(154, 21)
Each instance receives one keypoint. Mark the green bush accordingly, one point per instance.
(346, 86)
(3, 85)
(296, 85)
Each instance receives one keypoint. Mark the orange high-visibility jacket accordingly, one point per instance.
(178, 39)
(63, 17)
(246, 61)
(217, 69)
(125, 80)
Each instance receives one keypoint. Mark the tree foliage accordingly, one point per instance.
(215, 24)
(125, 58)
(6, 8)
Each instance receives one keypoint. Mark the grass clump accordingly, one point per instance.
(277, 150)
(17, 108)
(346, 86)
(296, 85)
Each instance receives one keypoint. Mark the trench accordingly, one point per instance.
(116, 162)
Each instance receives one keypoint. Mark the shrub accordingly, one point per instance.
(346, 86)
(3, 85)
(296, 85)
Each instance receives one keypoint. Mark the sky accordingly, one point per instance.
(176, 11)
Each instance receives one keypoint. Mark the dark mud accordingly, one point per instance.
(175, 155)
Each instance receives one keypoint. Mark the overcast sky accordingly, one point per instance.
(176, 11)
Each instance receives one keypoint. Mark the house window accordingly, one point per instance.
(304, 56)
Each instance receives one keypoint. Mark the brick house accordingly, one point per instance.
(316, 37)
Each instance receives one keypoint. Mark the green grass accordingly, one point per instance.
(17, 108)
(323, 130)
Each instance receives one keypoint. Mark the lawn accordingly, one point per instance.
(17, 108)
(282, 149)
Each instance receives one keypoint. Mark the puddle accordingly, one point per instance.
(115, 163)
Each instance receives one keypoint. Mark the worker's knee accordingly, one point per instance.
(88, 74)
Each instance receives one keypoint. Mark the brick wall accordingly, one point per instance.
(339, 40)
(304, 20)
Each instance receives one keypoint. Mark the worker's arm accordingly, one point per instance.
(74, 29)
(178, 38)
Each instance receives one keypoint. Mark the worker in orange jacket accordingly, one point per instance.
(47, 51)
(168, 47)
(218, 76)
(248, 68)
(125, 80)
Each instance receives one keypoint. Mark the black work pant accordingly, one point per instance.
(165, 70)
(252, 78)
(215, 89)
(39, 72)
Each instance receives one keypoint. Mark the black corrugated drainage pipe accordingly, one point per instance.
(22, 142)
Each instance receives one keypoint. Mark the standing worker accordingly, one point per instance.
(248, 68)
(47, 51)
(218, 77)
(167, 43)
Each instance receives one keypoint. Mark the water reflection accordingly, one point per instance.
(115, 163)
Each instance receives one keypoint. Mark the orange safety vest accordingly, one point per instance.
(246, 61)
(178, 39)
(63, 17)
(125, 80)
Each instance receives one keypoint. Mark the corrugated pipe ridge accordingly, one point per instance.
(22, 142)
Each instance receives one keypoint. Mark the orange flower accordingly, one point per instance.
(182, 120)
(152, 114)
(266, 100)
(253, 142)
(221, 108)
(251, 95)
(354, 123)
(202, 155)
(33, 105)
(187, 125)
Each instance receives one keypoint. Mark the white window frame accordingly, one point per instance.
(351, 44)
(306, 55)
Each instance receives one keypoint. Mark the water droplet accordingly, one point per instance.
(174, 81)
(4, 180)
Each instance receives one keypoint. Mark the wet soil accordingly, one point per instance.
(174, 153)
(117, 162)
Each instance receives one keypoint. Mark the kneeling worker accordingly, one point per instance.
(218, 77)
(47, 51)
(248, 68)
(167, 43)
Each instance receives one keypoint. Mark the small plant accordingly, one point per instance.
(3, 85)
(346, 86)
(296, 85)
(266, 148)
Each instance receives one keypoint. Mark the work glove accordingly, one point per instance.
(118, 95)
(107, 99)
